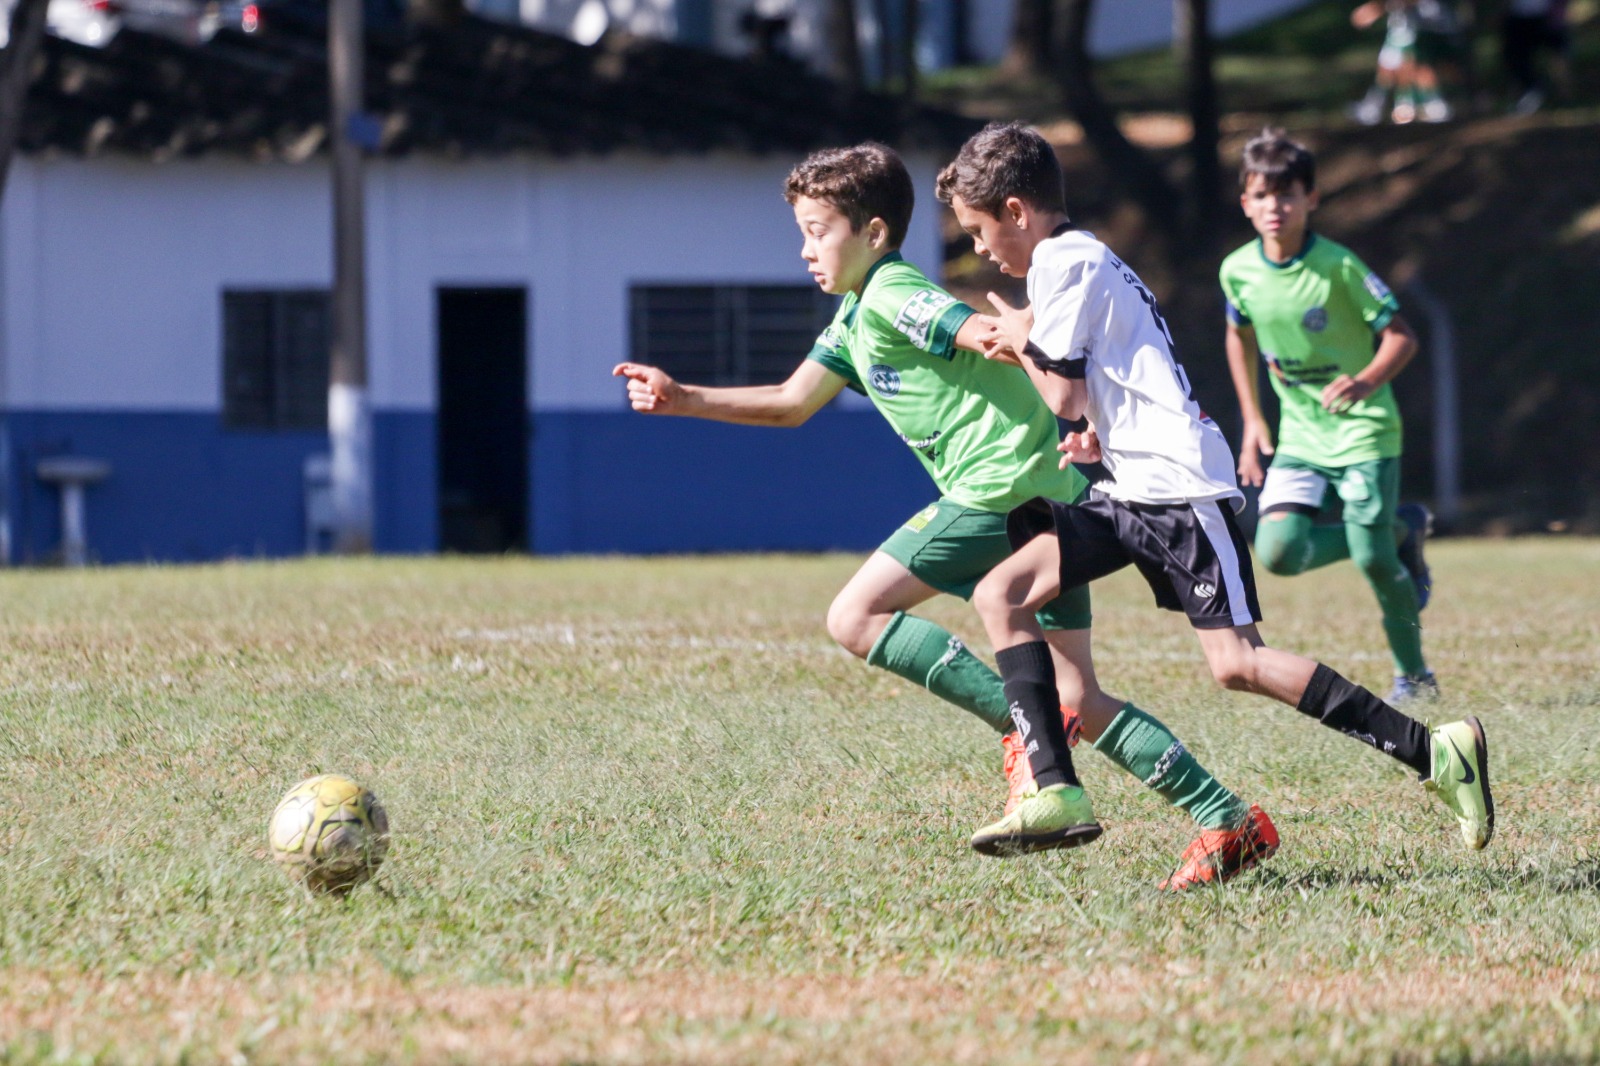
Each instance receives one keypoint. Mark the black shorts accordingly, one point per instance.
(1192, 555)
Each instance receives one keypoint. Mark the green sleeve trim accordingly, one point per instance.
(1385, 316)
(838, 364)
(945, 330)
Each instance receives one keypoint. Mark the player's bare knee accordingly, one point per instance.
(993, 600)
(850, 627)
(1233, 672)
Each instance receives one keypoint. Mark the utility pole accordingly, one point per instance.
(26, 34)
(349, 411)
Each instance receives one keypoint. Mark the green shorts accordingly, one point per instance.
(952, 547)
(1370, 490)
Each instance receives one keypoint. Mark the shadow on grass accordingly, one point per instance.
(1582, 877)
(1321, 877)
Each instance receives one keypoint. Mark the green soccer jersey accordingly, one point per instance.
(1315, 317)
(979, 427)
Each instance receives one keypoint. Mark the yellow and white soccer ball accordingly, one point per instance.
(329, 833)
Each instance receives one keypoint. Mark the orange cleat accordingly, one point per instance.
(1218, 855)
(1019, 775)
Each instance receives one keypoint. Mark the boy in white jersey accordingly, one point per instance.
(1095, 345)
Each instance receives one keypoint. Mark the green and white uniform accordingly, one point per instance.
(1315, 318)
(978, 427)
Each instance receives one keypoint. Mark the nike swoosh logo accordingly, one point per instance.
(1470, 776)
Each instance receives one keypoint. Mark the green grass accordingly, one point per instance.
(645, 812)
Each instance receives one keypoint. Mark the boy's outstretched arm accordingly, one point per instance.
(1243, 358)
(1397, 344)
(653, 391)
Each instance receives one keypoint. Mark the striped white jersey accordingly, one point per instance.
(1093, 315)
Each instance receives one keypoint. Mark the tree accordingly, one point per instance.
(16, 71)
(908, 48)
(435, 12)
(1028, 54)
(844, 47)
(1136, 170)
(1191, 38)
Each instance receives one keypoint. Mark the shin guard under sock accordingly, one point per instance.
(1030, 688)
(927, 655)
(1145, 748)
(1355, 712)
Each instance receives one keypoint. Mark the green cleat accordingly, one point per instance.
(1461, 778)
(1056, 817)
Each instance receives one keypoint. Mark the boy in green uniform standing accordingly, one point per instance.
(1311, 310)
(986, 438)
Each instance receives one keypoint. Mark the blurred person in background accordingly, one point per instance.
(1531, 26)
(1420, 36)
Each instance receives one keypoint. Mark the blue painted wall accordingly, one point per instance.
(623, 482)
(184, 488)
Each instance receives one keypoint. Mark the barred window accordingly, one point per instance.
(727, 334)
(275, 358)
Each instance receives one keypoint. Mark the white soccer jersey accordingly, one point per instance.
(1157, 443)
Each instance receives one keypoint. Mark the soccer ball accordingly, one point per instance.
(329, 833)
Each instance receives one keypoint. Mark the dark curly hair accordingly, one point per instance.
(865, 182)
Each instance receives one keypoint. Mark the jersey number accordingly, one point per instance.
(1161, 324)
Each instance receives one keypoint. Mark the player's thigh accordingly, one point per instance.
(1070, 608)
(1027, 579)
(882, 585)
(1369, 516)
(1370, 491)
(1195, 560)
(1091, 543)
(949, 547)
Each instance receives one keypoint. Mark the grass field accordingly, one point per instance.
(645, 812)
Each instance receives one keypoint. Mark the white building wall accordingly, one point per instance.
(113, 269)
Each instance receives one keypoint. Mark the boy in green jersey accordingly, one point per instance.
(1311, 310)
(985, 437)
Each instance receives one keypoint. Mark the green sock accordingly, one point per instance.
(1293, 544)
(1147, 749)
(1372, 548)
(930, 656)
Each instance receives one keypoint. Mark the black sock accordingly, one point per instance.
(1030, 680)
(1355, 712)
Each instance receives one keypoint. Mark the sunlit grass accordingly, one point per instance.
(645, 811)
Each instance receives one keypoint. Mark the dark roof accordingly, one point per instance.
(474, 88)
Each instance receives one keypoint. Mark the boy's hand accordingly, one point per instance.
(1257, 441)
(651, 389)
(1366, 14)
(1079, 448)
(1343, 393)
(991, 342)
(1012, 323)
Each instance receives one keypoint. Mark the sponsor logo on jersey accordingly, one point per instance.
(918, 314)
(1377, 288)
(884, 379)
(832, 339)
(920, 520)
(1205, 591)
(1315, 320)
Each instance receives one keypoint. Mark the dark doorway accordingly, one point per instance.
(483, 420)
